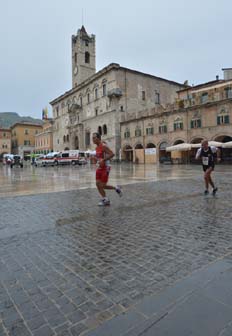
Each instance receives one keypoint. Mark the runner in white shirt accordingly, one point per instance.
(208, 154)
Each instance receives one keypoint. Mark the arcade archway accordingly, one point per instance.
(127, 153)
(226, 153)
(150, 153)
(163, 155)
(139, 153)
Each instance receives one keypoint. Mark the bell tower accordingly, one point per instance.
(83, 56)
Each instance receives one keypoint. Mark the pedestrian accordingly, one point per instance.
(103, 156)
(208, 154)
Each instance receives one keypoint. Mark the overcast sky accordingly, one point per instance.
(173, 39)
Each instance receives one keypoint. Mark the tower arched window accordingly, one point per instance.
(87, 57)
(104, 129)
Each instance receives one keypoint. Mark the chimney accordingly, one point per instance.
(217, 77)
(227, 73)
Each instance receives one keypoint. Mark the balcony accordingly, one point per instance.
(117, 92)
(73, 108)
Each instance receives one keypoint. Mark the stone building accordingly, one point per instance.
(98, 101)
(44, 139)
(5, 141)
(200, 112)
(23, 138)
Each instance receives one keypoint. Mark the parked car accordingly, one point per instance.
(38, 160)
(16, 161)
(165, 160)
(7, 159)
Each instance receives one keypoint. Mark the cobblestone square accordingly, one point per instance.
(67, 266)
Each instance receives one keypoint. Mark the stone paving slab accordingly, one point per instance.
(67, 267)
(201, 311)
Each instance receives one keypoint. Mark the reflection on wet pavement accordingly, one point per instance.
(35, 180)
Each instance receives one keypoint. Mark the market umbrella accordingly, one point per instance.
(227, 144)
(180, 147)
(211, 143)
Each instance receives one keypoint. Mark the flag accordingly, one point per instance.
(45, 113)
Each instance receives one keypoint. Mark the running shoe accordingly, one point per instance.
(206, 192)
(118, 191)
(104, 202)
(214, 191)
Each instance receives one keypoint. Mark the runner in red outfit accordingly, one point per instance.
(103, 155)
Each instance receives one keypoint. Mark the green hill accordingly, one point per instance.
(7, 119)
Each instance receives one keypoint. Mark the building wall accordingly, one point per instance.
(94, 113)
(44, 140)
(134, 83)
(123, 97)
(23, 137)
(5, 141)
(209, 129)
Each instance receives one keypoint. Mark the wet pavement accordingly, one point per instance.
(35, 180)
(68, 267)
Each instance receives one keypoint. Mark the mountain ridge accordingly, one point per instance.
(8, 119)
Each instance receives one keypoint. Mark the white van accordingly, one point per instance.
(50, 159)
(7, 158)
(68, 157)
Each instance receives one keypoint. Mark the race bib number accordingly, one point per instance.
(205, 161)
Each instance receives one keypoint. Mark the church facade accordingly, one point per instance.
(100, 101)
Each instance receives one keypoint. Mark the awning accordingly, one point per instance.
(227, 144)
(180, 147)
(211, 143)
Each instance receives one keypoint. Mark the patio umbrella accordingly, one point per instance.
(180, 147)
(211, 143)
(227, 144)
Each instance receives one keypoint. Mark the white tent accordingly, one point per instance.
(180, 147)
(211, 143)
(227, 144)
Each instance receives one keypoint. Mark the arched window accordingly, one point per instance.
(87, 57)
(104, 129)
(87, 138)
(96, 93)
(68, 138)
(127, 133)
(138, 131)
(100, 130)
(80, 99)
(223, 117)
(64, 138)
(76, 142)
(163, 126)
(196, 122)
(178, 124)
(150, 129)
